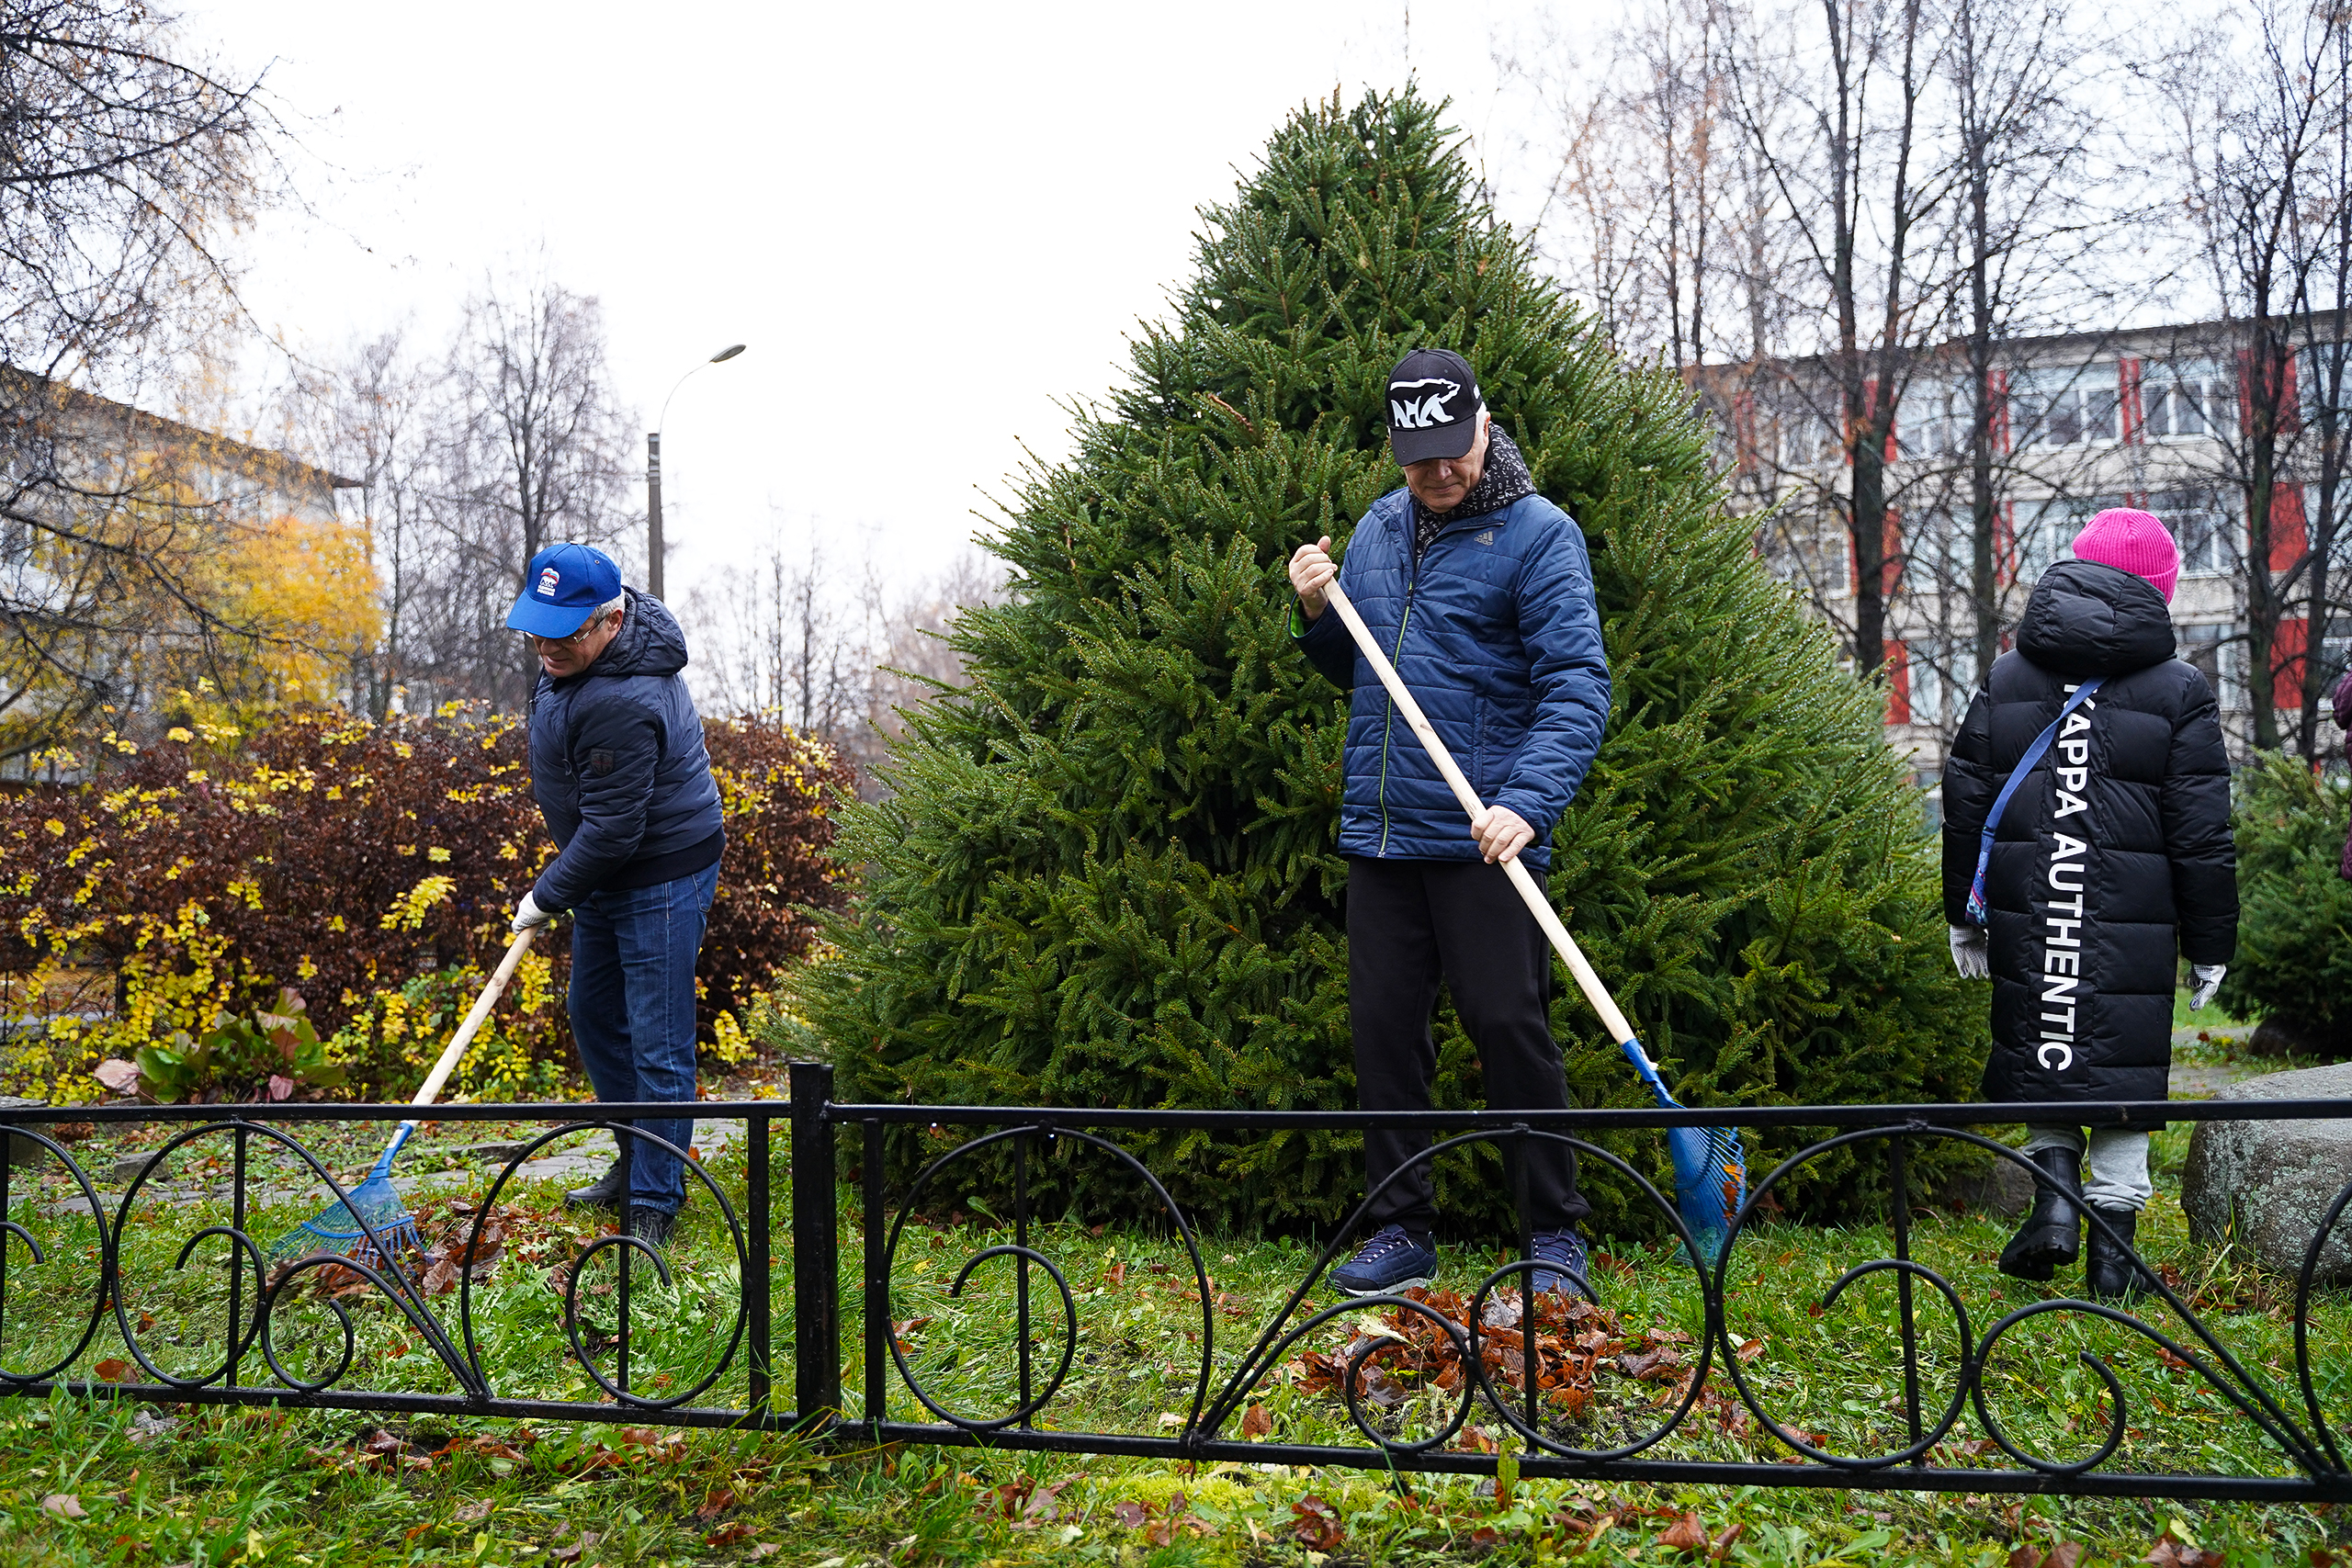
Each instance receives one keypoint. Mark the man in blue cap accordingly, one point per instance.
(618, 767)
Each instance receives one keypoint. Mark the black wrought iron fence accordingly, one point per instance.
(1679, 1368)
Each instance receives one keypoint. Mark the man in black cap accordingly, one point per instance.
(1482, 593)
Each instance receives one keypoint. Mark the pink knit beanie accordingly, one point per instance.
(2137, 542)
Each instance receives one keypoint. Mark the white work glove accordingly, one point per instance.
(528, 914)
(2204, 980)
(1970, 953)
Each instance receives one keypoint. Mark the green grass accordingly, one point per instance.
(302, 1487)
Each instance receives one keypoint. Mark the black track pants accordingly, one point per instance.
(1410, 923)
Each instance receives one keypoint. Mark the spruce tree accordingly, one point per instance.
(1108, 874)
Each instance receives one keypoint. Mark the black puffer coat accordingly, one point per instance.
(2114, 858)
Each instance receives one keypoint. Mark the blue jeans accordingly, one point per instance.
(632, 1008)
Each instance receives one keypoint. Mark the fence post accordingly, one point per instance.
(816, 1256)
(758, 1267)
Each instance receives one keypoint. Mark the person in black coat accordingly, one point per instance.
(2111, 862)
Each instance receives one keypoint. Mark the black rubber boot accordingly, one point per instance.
(2052, 1233)
(605, 1192)
(2109, 1273)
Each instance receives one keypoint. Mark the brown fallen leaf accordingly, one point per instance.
(729, 1534)
(1256, 1423)
(2171, 1552)
(473, 1513)
(112, 1369)
(1719, 1551)
(64, 1504)
(2065, 1554)
(1316, 1525)
(1686, 1534)
(570, 1550)
(766, 1549)
(1131, 1515)
(717, 1502)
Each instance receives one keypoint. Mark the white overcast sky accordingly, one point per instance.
(929, 221)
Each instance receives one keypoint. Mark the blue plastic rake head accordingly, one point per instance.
(1710, 1165)
(337, 1230)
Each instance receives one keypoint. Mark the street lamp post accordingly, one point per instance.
(653, 546)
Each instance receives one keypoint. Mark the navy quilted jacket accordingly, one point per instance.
(619, 768)
(1496, 635)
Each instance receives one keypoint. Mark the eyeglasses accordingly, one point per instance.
(574, 641)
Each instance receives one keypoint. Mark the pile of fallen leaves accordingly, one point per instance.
(453, 1251)
(1576, 1345)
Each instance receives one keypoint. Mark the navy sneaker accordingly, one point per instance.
(1564, 1265)
(650, 1225)
(1390, 1261)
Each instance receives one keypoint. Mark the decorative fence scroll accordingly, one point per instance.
(1670, 1372)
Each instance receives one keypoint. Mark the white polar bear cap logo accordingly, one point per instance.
(1411, 408)
(548, 578)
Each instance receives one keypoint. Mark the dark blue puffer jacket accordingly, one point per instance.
(1496, 635)
(618, 767)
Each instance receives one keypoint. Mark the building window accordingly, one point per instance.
(1807, 439)
(2208, 647)
(2183, 401)
(2075, 405)
(2324, 370)
(1936, 419)
(2047, 529)
(1944, 676)
(2204, 522)
(1808, 545)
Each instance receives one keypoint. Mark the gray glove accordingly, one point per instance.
(2204, 980)
(1970, 953)
(528, 914)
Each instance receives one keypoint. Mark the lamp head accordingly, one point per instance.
(729, 352)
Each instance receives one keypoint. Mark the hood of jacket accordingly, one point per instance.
(2088, 620)
(651, 642)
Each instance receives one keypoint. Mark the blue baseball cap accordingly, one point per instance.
(561, 590)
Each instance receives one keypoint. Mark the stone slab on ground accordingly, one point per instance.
(23, 1151)
(2269, 1184)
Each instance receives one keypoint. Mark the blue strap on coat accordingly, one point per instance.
(2033, 755)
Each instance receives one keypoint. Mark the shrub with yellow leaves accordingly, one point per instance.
(371, 867)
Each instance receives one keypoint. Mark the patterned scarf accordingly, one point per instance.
(1504, 480)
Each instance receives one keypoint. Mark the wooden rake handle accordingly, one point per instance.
(468, 1029)
(1595, 993)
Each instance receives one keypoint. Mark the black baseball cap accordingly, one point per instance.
(1433, 406)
